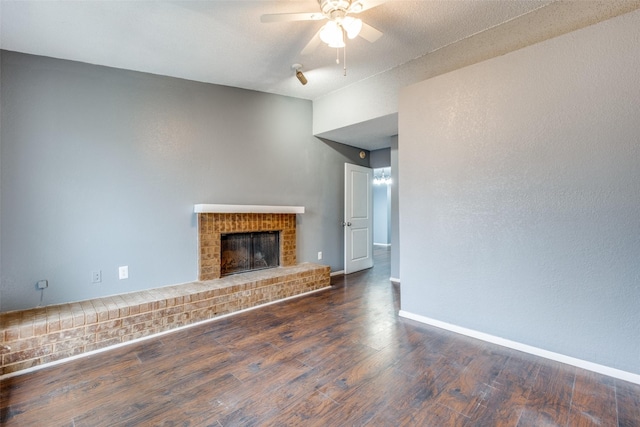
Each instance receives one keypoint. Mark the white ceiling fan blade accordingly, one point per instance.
(312, 45)
(369, 33)
(288, 17)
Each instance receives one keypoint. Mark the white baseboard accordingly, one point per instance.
(394, 280)
(590, 366)
(336, 273)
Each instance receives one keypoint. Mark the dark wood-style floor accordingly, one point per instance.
(340, 357)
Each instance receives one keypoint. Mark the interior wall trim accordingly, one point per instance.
(583, 364)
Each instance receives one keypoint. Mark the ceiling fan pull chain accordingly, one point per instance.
(344, 59)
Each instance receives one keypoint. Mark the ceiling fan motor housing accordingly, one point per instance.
(334, 9)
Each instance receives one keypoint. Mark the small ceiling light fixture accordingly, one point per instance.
(297, 68)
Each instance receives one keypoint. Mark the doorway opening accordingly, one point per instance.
(382, 206)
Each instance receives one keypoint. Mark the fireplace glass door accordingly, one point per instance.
(241, 252)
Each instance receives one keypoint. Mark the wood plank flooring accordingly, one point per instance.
(340, 357)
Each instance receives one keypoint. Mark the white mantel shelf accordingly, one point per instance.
(207, 208)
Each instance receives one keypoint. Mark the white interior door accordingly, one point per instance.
(358, 218)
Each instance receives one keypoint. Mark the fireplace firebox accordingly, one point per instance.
(242, 252)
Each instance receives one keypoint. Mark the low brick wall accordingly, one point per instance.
(55, 332)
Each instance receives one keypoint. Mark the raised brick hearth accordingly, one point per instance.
(56, 332)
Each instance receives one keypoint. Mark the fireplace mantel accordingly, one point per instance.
(209, 208)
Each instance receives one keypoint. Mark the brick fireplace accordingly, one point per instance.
(215, 220)
(42, 335)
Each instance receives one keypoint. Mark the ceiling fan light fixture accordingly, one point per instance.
(332, 34)
(338, 26)
(352, 26)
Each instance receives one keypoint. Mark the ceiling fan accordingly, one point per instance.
(341, 22)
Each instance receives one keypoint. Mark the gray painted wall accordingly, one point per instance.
(380, 158)
(520, 208)
(101, 168)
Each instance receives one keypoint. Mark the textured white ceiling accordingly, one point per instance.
(224, 42)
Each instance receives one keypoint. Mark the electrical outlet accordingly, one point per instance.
(319, 255)
(96, 276)
(42, 284)
(123, 272)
